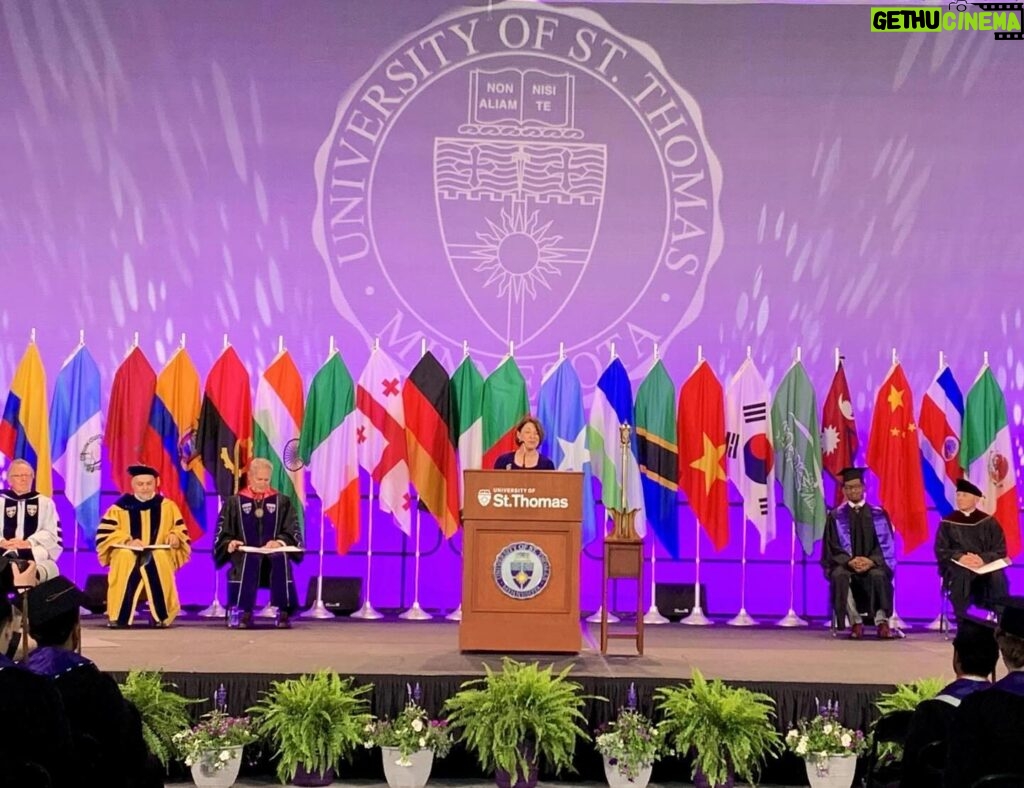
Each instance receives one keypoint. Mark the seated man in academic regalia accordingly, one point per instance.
(36, 738)
(108, 748)
(988, 727)
(144, 541)
(30, 527)
(973, 538)
(259, 517)
(858, 554)
(975, 654)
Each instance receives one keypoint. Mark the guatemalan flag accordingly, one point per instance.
(940, 424)
(76, 434)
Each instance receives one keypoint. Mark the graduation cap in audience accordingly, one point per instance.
(852, 475)
(965, 486)
(1012, 620)
(53, 598)
(142, 470)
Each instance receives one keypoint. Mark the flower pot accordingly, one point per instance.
(217, 768)
(413, 775)
(831, 771)
(700, 781)
(307, 778)
(520, 780)
(619, 779)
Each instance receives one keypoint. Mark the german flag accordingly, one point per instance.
(224, 435)
(426, 397)
(131, 399)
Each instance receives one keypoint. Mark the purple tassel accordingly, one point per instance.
(631, 699)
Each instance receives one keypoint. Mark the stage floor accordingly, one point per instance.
(395, 647)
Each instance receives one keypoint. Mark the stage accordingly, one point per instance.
(794, 666)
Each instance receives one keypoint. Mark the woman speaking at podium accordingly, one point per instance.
(529, 435)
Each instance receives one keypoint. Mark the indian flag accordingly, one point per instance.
(327, 445)
(277, 420)
(986, 453)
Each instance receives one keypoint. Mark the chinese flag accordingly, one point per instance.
(894, 455)
(701, 433)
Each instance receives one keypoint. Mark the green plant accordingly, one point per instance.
(729, 729)
(164, 712)
(524, 709)
(905, 697)
(825, 735)
(313, 720)
(209, 739)
(630, 742)
(411, 731)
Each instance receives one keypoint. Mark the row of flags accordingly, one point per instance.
(420, 430)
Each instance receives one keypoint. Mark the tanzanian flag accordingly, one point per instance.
(659, 454)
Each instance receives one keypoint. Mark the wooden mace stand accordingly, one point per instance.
(623, 558)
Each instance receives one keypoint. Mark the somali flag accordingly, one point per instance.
(76, 433)
(560, 410)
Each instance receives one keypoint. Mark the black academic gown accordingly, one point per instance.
(977, 533)
(987, 734)
(872, 590)
(35, 732)
(108, 748)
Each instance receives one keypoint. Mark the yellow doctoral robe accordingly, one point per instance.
(153, 522)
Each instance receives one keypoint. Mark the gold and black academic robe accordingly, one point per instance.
(152, 572)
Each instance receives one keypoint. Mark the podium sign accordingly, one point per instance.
(521, 554)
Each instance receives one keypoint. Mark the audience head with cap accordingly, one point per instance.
(853, 484)
(53, 613)
(145, 481)
(975, 652)
(967, 495)
(1010, 636)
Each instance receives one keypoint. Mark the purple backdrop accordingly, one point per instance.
(686, 175)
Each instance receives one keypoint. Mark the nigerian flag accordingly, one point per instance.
(796, 437)
(504, 404)
(277, 422)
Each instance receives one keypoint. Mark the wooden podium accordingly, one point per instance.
(521, 561)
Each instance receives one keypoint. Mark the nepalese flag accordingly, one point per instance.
(467, 392)
(380, 435)
(77, 433)
(25, 429)
(894, 454)
(131, 399)
(560, 411)
(612, 409)
(986, 453)
(796, 438)
(170, 442)
(702, 451)
(839, 440)
(749, 452)
(327, 445)
(656, 435)
(939, 423)
(426, 398)
(224, 435)
(505, 403)
(277, 421)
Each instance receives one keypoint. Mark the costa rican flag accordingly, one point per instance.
(940, 424)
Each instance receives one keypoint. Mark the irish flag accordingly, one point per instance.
(505, 403)
(986, 454)
(327, 444)
(467, 393)
(277, 420)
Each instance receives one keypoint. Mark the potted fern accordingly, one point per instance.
(728, 730)
(516, 717)
(312, 722)
(905, 697)
(164, 712)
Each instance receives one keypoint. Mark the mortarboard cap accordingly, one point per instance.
(852, 474)
(1012, 620)
(142, 470)
(53, 598)
(965, 486)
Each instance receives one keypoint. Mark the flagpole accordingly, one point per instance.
(416, 613)
(697, 617)
(939, 623)
(456, 614)
(319, 609)
(743, 618)
(791, 619)
(367, 610)
(653, 615)
(596, 617)
(214, 609)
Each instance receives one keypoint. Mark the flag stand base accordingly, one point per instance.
(654, 616)
(938, 625)
(791, 619)
(215, 610)
(596, 618)
(416, 613)
(319, 611)
(455, 615)
(367, 611)
(697, 618)
(742, 619)
(898, 623)
(268, 612)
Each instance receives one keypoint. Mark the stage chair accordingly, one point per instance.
(932, 761)
(891, 728)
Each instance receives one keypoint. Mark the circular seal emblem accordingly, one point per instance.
(998, 467)
(483, 495)
(522, 570)
(496, 174)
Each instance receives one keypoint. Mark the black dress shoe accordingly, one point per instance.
(283, 620)
(245, 621)
(116, 625)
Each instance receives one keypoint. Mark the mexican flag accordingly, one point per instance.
(986, 453)
(504, 404)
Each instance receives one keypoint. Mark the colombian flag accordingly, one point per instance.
(25, 429)
(170, 441)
